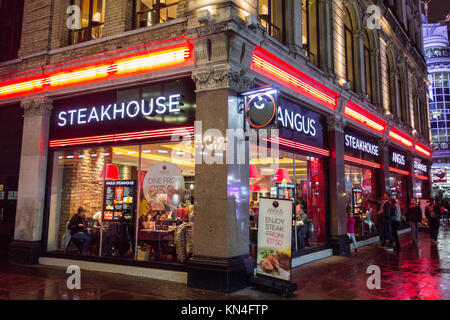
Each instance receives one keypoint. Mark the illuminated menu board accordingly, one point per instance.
(119, 200)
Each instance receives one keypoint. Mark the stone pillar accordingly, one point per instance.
(26, 246)
(326, 37)
(360, 71)
(220, 260)
(384, 170)
(337, 197)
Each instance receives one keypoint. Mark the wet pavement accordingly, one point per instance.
(414, 272)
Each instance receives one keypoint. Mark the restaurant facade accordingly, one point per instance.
(143, 131)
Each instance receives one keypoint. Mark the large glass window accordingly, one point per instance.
(271, 13)
(399, 187)
(92, 15)
(349, 57)
(137, 201)
(310, 30)
(367, 66)
(151, 12)
(296, 177)
(360, 189)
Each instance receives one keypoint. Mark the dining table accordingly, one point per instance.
(157, 239)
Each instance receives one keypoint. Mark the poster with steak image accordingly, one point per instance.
(274, 238)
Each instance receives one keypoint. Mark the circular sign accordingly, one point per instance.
(163, 186)
(260, 110)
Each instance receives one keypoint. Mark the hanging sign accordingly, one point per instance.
(274, 238)
(163, 186)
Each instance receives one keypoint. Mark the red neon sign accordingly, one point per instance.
(148, 134)
(362, 162)
(392, 169)
(150, 61)
(366, 118)
(421, 177)
(420, 148)
(401, 137)
(273, 67)
(298, 146)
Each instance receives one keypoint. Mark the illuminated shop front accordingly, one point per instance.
(297, 171)
(114, 153)
(421, 188)
(400, 176)
(362, 169)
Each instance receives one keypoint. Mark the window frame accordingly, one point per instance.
(89, 28)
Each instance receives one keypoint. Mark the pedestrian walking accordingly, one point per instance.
(413, 217)
(351, 228)
(433, 214)
(396, 219)
(388, 213)
(379, 214)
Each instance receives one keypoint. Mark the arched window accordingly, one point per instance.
(349, 61)
(367, 66)
(402, 97)
(310, 30)
(391, 87)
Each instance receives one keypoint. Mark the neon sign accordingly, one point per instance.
(361, 145)
(132, 109)
(398, 158)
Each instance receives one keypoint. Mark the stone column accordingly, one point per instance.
(383, 180)
(26, 246)
(220, 260)
(326, 44)
(360, 63)
(337, 197)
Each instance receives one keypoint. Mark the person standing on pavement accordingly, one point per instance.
(379, 213)
(413, 216)
(387, 214)
(397, 218)
(433, 214)
(351, 228)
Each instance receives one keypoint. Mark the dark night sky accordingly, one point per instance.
(438, 10)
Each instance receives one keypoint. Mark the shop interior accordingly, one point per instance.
(133, 210)
(289, 176)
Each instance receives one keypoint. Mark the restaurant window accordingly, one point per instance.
(151, 12)
(367, 66)
(310, 30)
(398, 185)
(360, 189)
(296, 177)
(92, 15)
(349, 57)
(271, 13)
(139, 200)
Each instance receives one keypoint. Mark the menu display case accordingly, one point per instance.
(119, 200)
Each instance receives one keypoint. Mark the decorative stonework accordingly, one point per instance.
(219, 79)
(336, 122)
(37, 106)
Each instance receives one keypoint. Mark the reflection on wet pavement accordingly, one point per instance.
(413, 273)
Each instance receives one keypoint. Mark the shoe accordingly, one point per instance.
(390, 248)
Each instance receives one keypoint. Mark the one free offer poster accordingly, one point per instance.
(274, 238)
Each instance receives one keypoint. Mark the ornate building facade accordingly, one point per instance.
(87, 69)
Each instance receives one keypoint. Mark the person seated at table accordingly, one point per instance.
(79, 232)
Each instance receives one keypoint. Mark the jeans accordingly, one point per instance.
(387, 227)
(414, 230)
(395, 225)
(85, 239)
(352, 237)
(381, 232)
(434, 228)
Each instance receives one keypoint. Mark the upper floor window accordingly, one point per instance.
(11, 13)
(151, 12)
(367, 65)
(349, 57)
(310, 30)
(271, 13)
(92, 15)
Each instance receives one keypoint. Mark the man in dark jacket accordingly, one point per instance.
(413, 216)
(80, 235)
(433, 214)
(387, 214)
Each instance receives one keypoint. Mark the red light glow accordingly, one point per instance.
(299, 146)
(271, 66)
(400, 137)
(362, 162)
(418, 176)
(362, 116)
(149, 134)
(154, 60)
(403, 172)
(420, 148)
